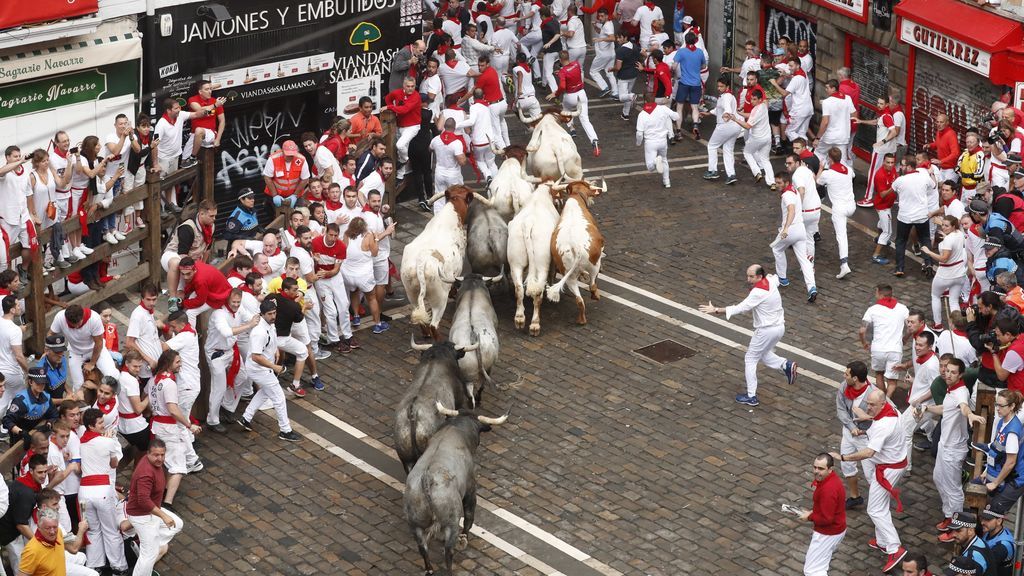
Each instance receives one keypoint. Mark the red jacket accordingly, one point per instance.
(947, 147)
(406, 106)
(489, 83)
(883, 182)
(829, 511)
(210, 287)
(570, 78)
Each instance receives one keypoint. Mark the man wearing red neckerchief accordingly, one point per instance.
(828, 516)
(574, 97)
(851, 407)
(194, 238)
(15, 220)
(101, 453)
(224, 358)
(15, 529)
(926, 370)
(83, 330)
(143, 333)
(208, 123)
(653, 128)
(885, 460)
(450, 154)
(837, 112)
(47, 553)
(479, 121)
(884, 198)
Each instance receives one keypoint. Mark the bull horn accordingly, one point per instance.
(492, 421)
(526, 120)
(436, 197)
(444, 411)
(493, 278)
(498, 151)
(417, 347)
(467, 348)
(481, 198)
(532, 179)
(571, 114)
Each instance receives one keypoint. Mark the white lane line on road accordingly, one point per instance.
(379, 474)
(723, 323)
(645, 172)
(635, 164)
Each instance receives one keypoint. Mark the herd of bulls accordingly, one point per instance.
(536, 215)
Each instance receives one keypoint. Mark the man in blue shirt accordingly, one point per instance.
(678, 13)
(963, 527)
(1000, 541)
(689, 60)
(55, 363)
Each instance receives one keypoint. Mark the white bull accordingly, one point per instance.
(552, 152)
(510, 190)
(529, 252)
(433, 259)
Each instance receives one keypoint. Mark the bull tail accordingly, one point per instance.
(534, 281)
(480, 360)
(416, 450)
(419, 313)
(427, 485)
(554, 292)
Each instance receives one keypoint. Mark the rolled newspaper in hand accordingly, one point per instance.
(790, 509)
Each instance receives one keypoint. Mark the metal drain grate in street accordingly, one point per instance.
(666, 351)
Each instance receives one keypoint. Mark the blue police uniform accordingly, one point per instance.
(242, 224)
(979, 551)
(27, 411)
(57, 376)
(1002, 550)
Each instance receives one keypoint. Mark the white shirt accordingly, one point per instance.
(221, 335)
(655, 126)
(886, 326)
(479, 122)
(950, 342)
(954, 424)
(924, 374)
(912, 192)
(489, 34)
(55, 458)
(96, 454)
(432, 85)
(445, 154)
(324, 159)
(61, 166)
(72, 453)
(375, 224)
(504, 40)
(458, 114)
(452, 29)
(974, 244)
(887, 439)
(128, 385)
(788, 198)
(750, 65)
(306, 264)
(122, 155)
(726, 105)
(170, 135)
(453, 78)
(526, 81)
(373, 181)
(839, 109)
(760, 129)
(262, 341)
(559, 8)
(161, 393)
(799, 99)
(645, 16)
(901, 120)
(803, 177)
(605, 49)
(187, 345)
(956, 266)
(10, 335)
(839, 185)
(578, 40)
(806, 64)
(142, 327)
(15, 188)
(332, 216)
(764, 302)
(80, 340)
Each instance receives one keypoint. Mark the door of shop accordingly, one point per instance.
(941, 87)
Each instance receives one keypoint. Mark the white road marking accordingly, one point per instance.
(511, 518)
(635, 164)
(645, 172)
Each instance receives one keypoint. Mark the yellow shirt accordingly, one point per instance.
(274, 286)
(38, 559)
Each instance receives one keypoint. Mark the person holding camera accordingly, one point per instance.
(981, 320)
(1007, 350)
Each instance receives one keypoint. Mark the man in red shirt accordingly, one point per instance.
(574, 98)
(487, 80)
(661, 77)
(154, 525)
(208, 122)
(406, 103)
(328, 254)
(884, 199)
(206, 288)
(946, 146)
(828, 516)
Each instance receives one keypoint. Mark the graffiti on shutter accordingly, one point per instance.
(870, 70)
(779, 23)
(944, 88)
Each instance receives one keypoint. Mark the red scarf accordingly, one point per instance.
(292, 298)
(762, 284)
(366, 208)
(546, 20)
(894, 109)
(165, 375)
(959, 332)
(144, 139)
(333, 204)
(147, 308)
(86, 314)
(245, 288)
(650, 106)
(805, 153)
(852, 393)
(449, 137)
(924, 357)
(107, 407)
(207, 232)
(889, 302)
(950, 201)
(169, 119)
(839, 167)
(650, 5)
(46, 541)
(525, 66)
(188, 328)
(959, 384)
(800, 52)
(235, 274)
(452, 63)
(58, 152)
(787, 189)
(29, 481)
(800, 72)
(886, 411)
(691, 47)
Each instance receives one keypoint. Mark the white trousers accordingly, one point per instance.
(500, 64)
(604, 79)
(105, 364)
(269, 387)
(187, 397)
(840, 214)
(723, 137)
(153, 535)
(105, 542)
(485, 160)
(194, 313)
(797, 127)
(811, 221)
(626, 96)
(75, 565)
(822, 152)
(819, 553)
(910, 424)
(312, 316)
(651, 152)
(549, 70)
(797, 239)
(579, 55)
(532, 43)
(885, 226)
(762, 349)
(335, 302)
(876, 163)
(405, 136)
(499, 127)
(577, 101)
(940, 285)
(442, 181)
(879, 500)
(529, 106)
(946, 474)
(756, 154)
(849, 445)
(220, 395)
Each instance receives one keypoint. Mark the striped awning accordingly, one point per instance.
(68, 57)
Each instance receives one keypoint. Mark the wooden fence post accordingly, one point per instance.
(37, 293)
(206, 161)
(151, 249)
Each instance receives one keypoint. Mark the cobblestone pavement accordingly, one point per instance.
(639, 467)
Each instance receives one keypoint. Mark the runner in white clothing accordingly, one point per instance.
(886, 319)
(792, 234)
(224, 357)
(951, 258)
(603, 37)
(765, 303)
(926, 370)
(101, 453)
(838, 180)
(806, 187)
(83, 330)
(481, 127)
(837, 110)
(450, 151)
(644, 16)
(653, 129)
(758, 140)
(725, 134)
(797, 94)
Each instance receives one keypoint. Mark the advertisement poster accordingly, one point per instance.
(351, 90)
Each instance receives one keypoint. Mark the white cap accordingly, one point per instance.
(687, 19)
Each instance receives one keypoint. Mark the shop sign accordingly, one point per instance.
(272, 71)
(38, 66)
(945, 47)
(856, 9)
(48, 93)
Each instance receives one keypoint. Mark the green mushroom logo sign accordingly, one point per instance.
(364, 33)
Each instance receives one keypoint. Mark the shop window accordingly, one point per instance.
(941, 87)
(779, 23)
(869, 68)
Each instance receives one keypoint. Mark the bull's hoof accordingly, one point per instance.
(534, 329)
(520, 322)
(595, 294)
(462, 543)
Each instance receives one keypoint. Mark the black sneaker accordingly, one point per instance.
(289, 436)
(852, 503)
(218, 428)
(188, 162)
(923, 445)
(730, 180)
(344, 348)
(603, 93)
(624, 116)
(817, 237)
(245, 424)
(353, 343)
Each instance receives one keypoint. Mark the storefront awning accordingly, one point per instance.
(69, 57)
(965, 35)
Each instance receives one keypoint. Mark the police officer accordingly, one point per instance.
(963, 527)
(30, 407)
(55, 363)
(1000, 541)
(244, 222)
(961, 566)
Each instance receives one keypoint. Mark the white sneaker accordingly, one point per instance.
(110, 238)
(65, 251)
(85, 249)
(667, 185)
(105, 202)
(659, 165)
(844, 270)
(119, 235)
(77, 252)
